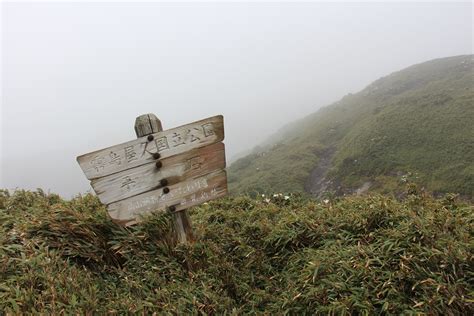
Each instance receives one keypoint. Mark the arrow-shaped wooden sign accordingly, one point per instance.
(141, 151)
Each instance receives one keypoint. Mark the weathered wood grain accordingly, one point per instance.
(147, 124)
(140, 151)
(131, 182)
(182, 196)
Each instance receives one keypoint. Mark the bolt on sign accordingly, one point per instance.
(164, 170)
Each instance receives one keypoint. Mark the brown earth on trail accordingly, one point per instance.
(317, 183)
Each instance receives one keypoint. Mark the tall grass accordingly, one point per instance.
(273, 255)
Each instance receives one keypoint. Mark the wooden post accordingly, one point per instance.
(148, 124)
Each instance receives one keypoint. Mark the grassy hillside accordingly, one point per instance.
(278, 255)
(415, 123)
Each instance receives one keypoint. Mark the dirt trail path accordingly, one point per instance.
(317, 183)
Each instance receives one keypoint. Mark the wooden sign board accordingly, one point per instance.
(181, 196)
(173, 169)
(140, 151)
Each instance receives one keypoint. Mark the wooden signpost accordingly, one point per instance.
(161, 170)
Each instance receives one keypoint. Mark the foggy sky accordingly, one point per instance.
(74, 76)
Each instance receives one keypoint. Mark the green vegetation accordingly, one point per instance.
(277, 255)
(414, 123)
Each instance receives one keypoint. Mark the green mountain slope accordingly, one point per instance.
(416, 123)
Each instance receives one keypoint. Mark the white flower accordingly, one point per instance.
(287, 197)
(326, 201)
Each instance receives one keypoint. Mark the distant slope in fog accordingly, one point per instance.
(415, 124)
